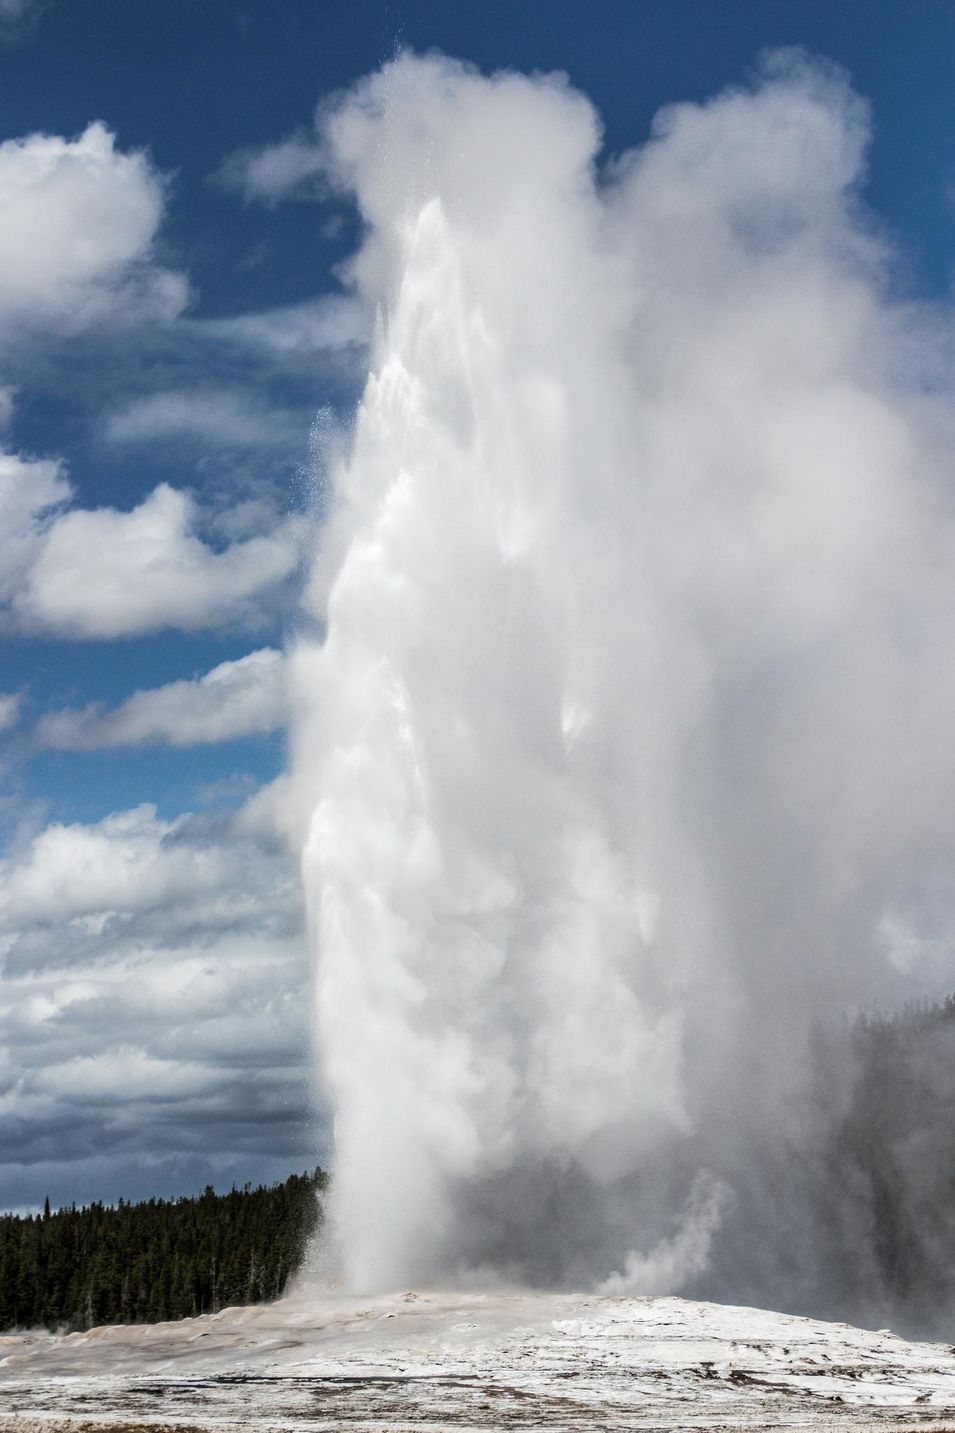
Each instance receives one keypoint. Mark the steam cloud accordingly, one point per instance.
(625, 760)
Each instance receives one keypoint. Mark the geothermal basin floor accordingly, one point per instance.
(455, 1361)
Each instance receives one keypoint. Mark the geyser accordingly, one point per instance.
(623, 760)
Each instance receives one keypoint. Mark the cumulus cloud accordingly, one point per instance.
(32, 493)
(154, 1019)
(240, 698)
(80, 220)
(179, 878)
(103, 573)
(78, 252)
(129, 861)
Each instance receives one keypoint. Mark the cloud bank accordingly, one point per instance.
(151, 1009)
(633, 716)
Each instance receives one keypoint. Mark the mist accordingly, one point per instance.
(622, 768)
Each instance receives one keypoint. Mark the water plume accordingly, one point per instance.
(629, 728)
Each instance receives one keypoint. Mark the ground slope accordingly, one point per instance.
(491, 1360)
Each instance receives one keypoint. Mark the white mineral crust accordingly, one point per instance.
(477, 1360)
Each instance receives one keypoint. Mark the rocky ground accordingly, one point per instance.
(458, 1361)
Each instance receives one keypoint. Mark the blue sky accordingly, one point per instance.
(176, 351)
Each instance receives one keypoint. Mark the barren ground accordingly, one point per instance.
(457, 1361)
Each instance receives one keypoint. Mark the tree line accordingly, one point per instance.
(159, 1259)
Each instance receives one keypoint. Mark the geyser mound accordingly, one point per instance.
(624, 760)
(466, 1361)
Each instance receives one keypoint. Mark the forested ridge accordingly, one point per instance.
(160, 1259)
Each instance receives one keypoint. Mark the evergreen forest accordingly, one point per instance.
(160, 1259)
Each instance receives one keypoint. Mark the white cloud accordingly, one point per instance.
(80, 218)
(187, 875)
(275, 171)
(153, 1001)
(129, 861)
(103, 573)
(331, 322)
(266, 812)
(77, 248)
(9, 709)
(224, 418)
(31, 492)
(239, 698)
(140, 1076)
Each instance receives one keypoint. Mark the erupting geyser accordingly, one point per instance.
(624, 756)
